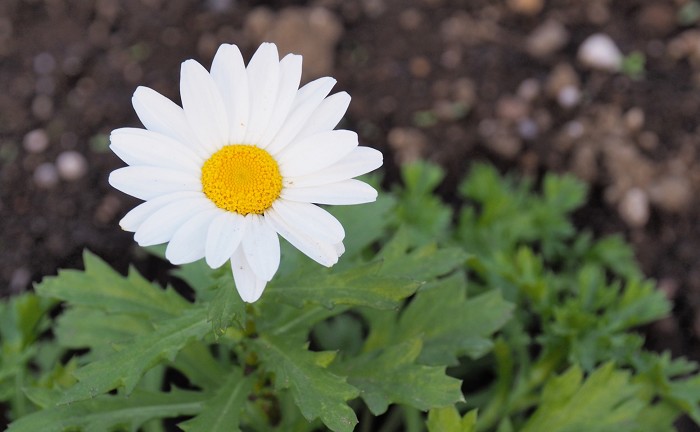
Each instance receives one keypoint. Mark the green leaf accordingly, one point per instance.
(317, 392)
(605, 401)
(364, 285)
(391, 376)
(100, 287)
(226, 306)
(448, 420)
(81, 327)
(222, 412)
(111, 412)
(421, 210)
(450, 324)
(125, 367)
(423, 263)
(564, 193)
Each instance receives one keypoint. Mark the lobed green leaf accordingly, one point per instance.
(317, 392)
(106, 413)
(222, 412)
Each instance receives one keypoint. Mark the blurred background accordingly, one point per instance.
(606, 89)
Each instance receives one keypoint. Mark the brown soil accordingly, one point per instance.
(453, 81)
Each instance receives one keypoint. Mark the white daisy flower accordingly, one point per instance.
(247, 157)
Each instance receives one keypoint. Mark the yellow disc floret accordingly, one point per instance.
(242, 178)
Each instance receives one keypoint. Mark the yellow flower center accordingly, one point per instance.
(242, 178)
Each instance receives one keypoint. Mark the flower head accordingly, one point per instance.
(247, 157)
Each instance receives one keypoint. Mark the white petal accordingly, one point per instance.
(360, 161)
(339, 248)
(249, 286)
(187, 243)
(312, 89)
(290, 76)
(160, 226)
(144, 147)
(263, 81)
(261, 247)
(224, 236)
(305, 103)
(327, 115)
(203, 106)
(229, 74)
(160, 114)
(313, 220)
(316, 152)
(341, 193)
(322, 252)
(149, 182)
(132, 220)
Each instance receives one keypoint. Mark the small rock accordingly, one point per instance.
(599, 52)
(658, 19)
(374, 8)
(528, 129)
(410, 19)
(648, 140)
(634, 208)
(71, 165)
(42, 107)
(672, 193)
(408, 144)
(107, 210)
(547, 39)
(19, 280)
(310, 31)
(44, 63)
(498, 139)
(36, 141)
(574, 129)
(563, 75)
(220, 5)
(420, 67)
(451, 57)
(465, 91)
(584, 163)
(46, 175)
(526, 7)
(529, 89)
(634, 119)
(505, 145)
(569, 96)
(511, 108)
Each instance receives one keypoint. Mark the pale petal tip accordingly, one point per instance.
(251, 294)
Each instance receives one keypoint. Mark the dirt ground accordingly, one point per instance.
(519, 83)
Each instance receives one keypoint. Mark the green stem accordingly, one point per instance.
(413, 420)
(520, 397)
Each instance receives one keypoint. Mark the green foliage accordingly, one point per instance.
(448, 420)
(606, 401)
(500, 307)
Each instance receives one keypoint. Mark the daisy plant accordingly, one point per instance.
(247, 157)
(494, 316)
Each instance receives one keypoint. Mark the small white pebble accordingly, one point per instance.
(36, 141)
(634, 208)
(44, 63)
(46, 175)
(71, 165)
(599, 51)
(569, 96)
(574, 129)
